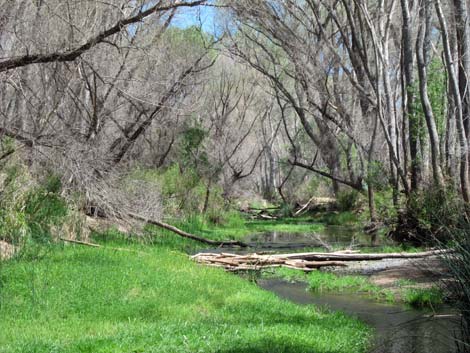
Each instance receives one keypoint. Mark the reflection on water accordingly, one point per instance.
(399, 329)
(342, 236)
(329, 238)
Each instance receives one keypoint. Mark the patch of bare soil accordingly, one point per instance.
(393, 273)
(423, 272)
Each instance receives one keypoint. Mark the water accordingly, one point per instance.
(399, 329)
(330, 236)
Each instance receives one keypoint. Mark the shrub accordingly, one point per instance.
(183, 192)
(386, 210)
(347, 200)
(424, 297)
(431, 216)
(340, 218)
(29, 212)
(44, 209)
(458, 264)
(286, 210)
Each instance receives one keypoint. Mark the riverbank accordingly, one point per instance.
(152, 298)
(397, 328)
(409, 281)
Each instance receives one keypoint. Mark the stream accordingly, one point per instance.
(398, 328)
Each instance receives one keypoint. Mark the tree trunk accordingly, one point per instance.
(463, 38)
(423, 46)
(413, 123)
(464, 178)
(207, 197)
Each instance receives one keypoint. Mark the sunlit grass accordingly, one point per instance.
(235, 226)
(154, 299)
(404, 291)
(329, 282)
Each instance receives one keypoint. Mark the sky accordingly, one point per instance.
(195, 16)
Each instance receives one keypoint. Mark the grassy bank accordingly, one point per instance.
(403, 291)
(154, 299)
(237, 227)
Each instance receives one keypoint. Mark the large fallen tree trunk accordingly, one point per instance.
(233, 262)
(344, 256)
(301, 261)
(187, 235)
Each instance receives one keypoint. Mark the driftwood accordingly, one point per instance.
(301, 261)
(304, 207)
(233, 262)
(187, 235)
(316, 203)
(342, 256)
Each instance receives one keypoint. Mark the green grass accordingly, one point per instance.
(236, 227)
(286, 274)
(403, 289)
(329, 282)
(80, 299)
(423, 297)
(386, 249)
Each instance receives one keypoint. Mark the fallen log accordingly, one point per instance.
(268, 217)
(187, 235)
(304, 207)
(339, 256)
(300, 261)
(314, 264)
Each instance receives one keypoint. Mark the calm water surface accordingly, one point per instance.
(399, 329)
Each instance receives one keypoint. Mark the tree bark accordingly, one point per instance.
(463, 38)
(410, 95)
(464, 178)
(423, 46)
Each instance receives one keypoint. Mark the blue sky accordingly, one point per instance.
(194, 16)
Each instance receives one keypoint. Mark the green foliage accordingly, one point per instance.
(286, 210)
(193, 153)
(423, 297)
(339, 218)
(152, 299)
(44, 208)
(30, 211)
(7, 145)
(183, 191)
(384, 204)
(328, 282)
(437, 92)
(376, 176)
(347, 200)
(417, 297)
(437, 82)
(437, 212)
(191, 39)
(458, 265)
(233, 219)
